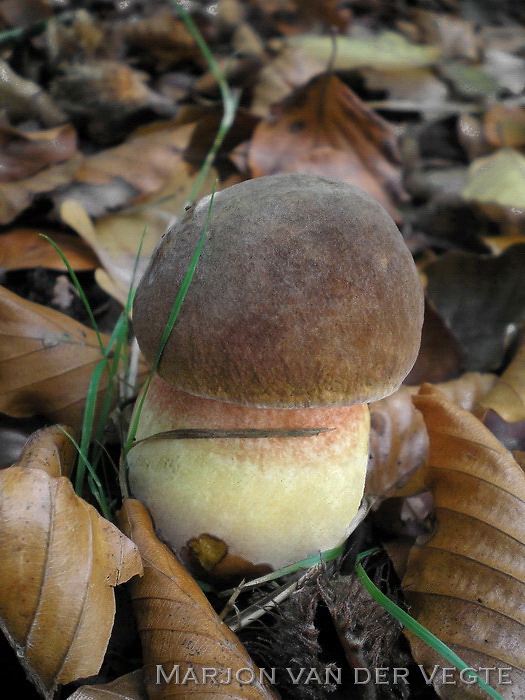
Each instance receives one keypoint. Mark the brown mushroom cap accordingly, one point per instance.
(305, 294)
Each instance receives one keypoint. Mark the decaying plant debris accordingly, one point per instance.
(109, 123)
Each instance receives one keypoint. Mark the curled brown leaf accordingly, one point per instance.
(467, 582)
(51, 450)
(60, 561)
(182, 636)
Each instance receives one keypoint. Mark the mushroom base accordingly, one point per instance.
(271, 500)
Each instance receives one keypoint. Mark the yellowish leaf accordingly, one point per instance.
(498, 244)
(466, 584)
(498, 179)
(179, 629)
(507, 396)
(469, 389)
(388, 50)
(116, 239)
(60, 562)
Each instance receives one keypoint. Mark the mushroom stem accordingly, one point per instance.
(273, 500)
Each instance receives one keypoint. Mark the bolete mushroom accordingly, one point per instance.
(305, 305)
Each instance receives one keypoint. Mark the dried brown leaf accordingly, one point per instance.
(25, 153)
(178, 627)
(128, 687)
(126, 174)
(60, 561)
(106, 96)
(399, 438)
(17, 196)
(505, 126)
(398, 443)
(164, 35)
(324, 128)
(469, 389)
(117, 238)
(456, 37)
(24, 248)
(50, 450)
(78, 40)
(291, 68)
(112, 178)
(466, 584)
(24, 13)
(507, 396)
(46, 361)
(519, 456)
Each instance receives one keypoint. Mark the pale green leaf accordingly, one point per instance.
(387, 50)
(498, 179)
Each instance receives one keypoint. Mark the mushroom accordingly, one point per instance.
(305, 305)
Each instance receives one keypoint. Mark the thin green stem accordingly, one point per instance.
(230, 99)
(79, 289)
(416, 627)
(175, 309)
(96, 485)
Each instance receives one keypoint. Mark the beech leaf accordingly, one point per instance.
(50, 450)
(60, 561)
(179, 628)
(127, 173)
(469, 389)
(398, 443)
(46, 361)
(25, 153)
(388, 50)
(128, 687)
(24, 249)
(466, 584)
(117, 238)
(325, 129)
(507, 396)
(498, 179)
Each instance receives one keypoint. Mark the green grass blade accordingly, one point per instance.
(417, 628)
(169, 325)
(96, 486)
(230, 100)
(78, 287)
(326, 556)
(87, 422)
